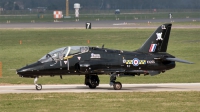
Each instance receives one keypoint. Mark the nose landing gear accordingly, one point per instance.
(37, 86)
(116, 85)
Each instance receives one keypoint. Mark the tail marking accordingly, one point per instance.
(152, 48)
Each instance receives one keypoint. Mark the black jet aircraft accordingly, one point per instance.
(150, 59)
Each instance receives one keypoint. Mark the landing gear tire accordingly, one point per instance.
(92, 81)
(38, 87)
(92, 86)
(117, 86)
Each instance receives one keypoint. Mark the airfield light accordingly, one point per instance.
(88, 41)
(20, 42)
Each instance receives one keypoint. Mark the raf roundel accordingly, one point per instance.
(136, 62)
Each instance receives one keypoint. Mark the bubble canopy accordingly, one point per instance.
(60, 53)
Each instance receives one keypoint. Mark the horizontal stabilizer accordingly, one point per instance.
(179, 60)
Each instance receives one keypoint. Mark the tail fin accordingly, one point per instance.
(158, 41)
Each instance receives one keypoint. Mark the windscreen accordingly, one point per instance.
(54, 55)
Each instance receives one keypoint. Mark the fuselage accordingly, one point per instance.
(98, 61)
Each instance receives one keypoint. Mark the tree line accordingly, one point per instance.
(101, 4)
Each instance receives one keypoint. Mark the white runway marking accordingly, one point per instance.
(78, 88)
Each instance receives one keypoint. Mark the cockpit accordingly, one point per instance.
(60, 53)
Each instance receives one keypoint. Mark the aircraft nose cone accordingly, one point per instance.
(28, 70)
(24, 72)
(17, 72)
(20, 71)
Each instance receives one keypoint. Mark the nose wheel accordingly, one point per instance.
(116, 85)
(37, 86)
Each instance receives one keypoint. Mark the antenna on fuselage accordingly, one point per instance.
(102, 46)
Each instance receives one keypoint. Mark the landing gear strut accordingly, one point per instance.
(116, 85)
(92, 81)
(37, 86)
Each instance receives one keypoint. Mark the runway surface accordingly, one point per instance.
(78, 88)
(97, 24)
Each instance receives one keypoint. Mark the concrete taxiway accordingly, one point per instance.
(97, 24)
(79, 88)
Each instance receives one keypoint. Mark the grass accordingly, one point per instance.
(183, 43)
(98, 102)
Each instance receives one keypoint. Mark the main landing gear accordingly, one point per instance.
(92, 81)
(37, 86)
(116, 85)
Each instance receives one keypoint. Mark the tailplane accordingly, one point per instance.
(158, 41)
